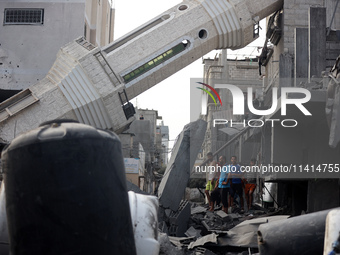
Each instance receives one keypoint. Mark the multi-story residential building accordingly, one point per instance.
(163, 132)
(32, 33)
(147, 144)
(241, 72)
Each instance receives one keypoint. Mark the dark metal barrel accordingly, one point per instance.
(4, 242)
(294, 236)
(66, 192)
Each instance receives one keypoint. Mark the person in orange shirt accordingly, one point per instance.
(250, 185)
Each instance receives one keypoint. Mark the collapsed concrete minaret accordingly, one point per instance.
(93, 85)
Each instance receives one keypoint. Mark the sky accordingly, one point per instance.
(171, 97)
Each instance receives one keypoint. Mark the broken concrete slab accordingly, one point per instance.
(209, 214)
(179, 219)
(143, 135)
(234, 216)
(224, 216)
(195, 194)
(192, 232)
(245, 233)
(177, 173)
(230, 239)
(198, 209)
(217, 226)
(203, 251)
(162, 226)
(166, 248)
(212, 238)
(181, 242)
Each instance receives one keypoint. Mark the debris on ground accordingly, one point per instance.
(193, 229)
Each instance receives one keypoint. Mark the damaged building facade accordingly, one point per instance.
(146, 143)
(301, 48)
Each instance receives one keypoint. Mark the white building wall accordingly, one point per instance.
(90, 21)
(99, 22)
(27, 52)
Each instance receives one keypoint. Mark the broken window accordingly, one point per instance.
(136, 33)
(31, 16)
(256, 30)
(156, 61)
(16, 103)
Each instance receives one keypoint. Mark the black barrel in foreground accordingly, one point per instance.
(300, 235)
(66, 192)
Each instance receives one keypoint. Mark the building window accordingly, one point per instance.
(136, 33)
(24, 16)
(156, 61)
(16, 103)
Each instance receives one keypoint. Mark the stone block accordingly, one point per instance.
(176, 176)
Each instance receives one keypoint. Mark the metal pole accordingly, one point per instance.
(271, 195)
(228, 143)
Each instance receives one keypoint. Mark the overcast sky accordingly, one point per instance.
(171, 97)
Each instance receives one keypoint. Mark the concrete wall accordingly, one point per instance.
(143, 135)
(221, 70)
(105, 23)
(152, 116)
(91, 21)
(305, 144)
(27, 52)
(242, 70)
(165, 143)
(323, 194)
(296, 16)
(99, 22)
(126, 141)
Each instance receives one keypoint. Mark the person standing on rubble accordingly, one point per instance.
(223, 184)
(235, 177)
(212, 176)
(250, 185)
(216, 193)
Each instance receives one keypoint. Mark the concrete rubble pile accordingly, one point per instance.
(190, 228)
(217, 232)
(173, 212)
(187, 228)
(257, 231)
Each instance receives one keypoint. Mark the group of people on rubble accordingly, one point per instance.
(226, 182)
